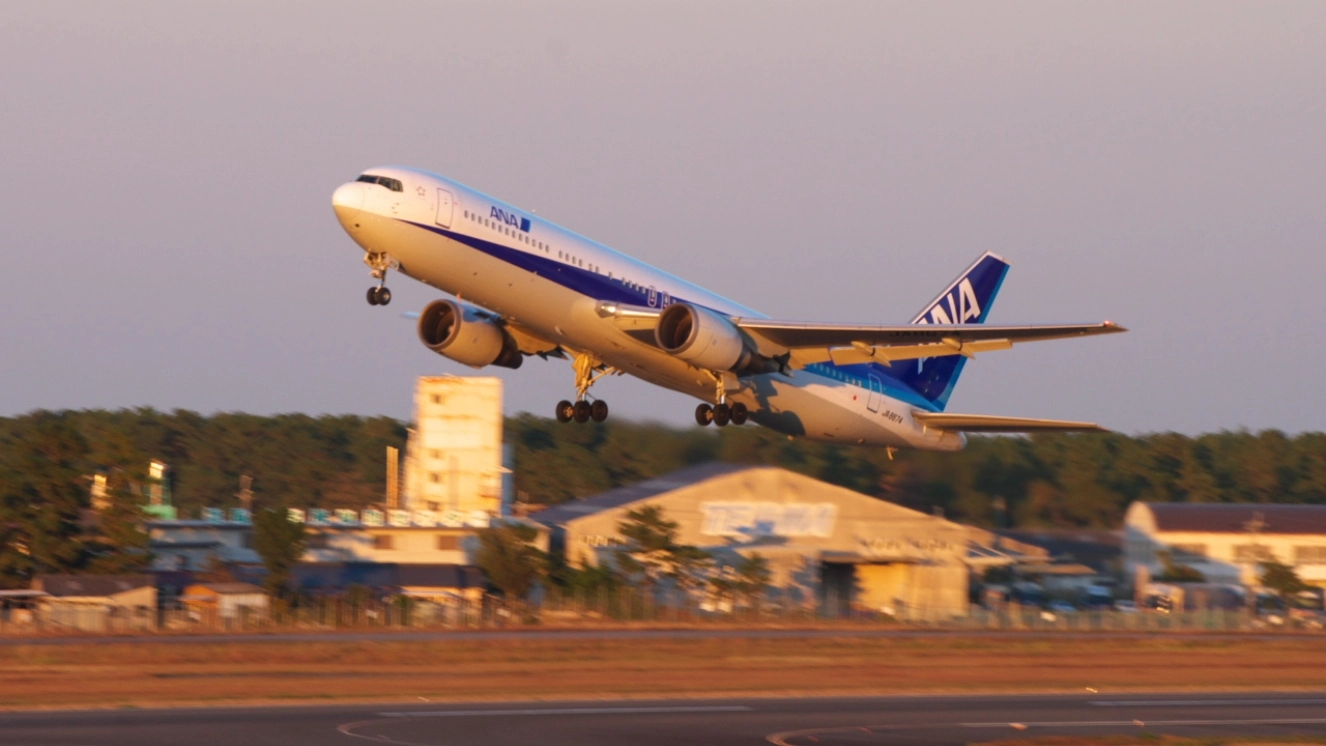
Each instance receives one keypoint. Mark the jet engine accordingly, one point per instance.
(467, 335)
(702, 338)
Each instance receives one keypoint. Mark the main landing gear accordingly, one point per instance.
(722, 413)
(588, 369)
(582, 411)
(379, 263)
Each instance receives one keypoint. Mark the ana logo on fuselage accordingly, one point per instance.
(510, 218)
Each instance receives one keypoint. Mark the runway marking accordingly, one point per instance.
(1134, 723)
(563, 711)
(784, 738)
(387, 717)
(1203, 702)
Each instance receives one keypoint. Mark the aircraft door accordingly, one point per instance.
(876, 393)
(444, 208)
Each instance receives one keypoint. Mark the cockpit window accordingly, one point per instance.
(390, 183)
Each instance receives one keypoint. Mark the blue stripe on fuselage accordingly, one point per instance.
(582, 281)
(595, 285)
(858, 375)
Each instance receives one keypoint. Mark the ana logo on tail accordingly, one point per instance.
(966, 307)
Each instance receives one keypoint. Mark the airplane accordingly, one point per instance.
(523, 286)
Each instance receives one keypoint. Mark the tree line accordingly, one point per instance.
(339, 462)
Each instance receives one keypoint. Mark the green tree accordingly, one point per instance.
(119, 543)
(747, 580)
(280, 542)
(1174, 572)
(43, 494)
(509, 559)
(652, 552)
(1282, 579)
(594, 578)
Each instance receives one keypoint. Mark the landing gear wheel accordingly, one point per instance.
(598, 411)
(384, 296)
(722, 415)
(565, 411)
(581, 411)
(739, 414)
(704, 414)
(372, 296)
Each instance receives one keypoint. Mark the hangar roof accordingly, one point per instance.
(90, 585)
(1225, 518)
(634, 492)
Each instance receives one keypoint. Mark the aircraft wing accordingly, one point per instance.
(846, 344)
(986, 423)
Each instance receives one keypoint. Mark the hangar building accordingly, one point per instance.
(827, 546)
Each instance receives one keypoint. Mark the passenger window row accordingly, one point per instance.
(526, 239)
(505, 230)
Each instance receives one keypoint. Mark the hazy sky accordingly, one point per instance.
(167, 168)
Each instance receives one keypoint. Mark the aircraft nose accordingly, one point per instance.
(347, 201)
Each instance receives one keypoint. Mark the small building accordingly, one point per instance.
(97, 603)
(192, 545)
(226, 601)
(1226, 543)
(1099, 549)
(439, 583)
(828, 547)
(18, 607)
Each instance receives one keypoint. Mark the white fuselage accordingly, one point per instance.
(551, 282)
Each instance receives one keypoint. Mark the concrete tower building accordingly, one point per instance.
(454, 459)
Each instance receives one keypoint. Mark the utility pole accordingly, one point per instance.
(393, 478)
(1254, 555)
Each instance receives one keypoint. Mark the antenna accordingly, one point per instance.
(245, 493)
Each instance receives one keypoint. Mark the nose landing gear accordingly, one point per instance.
(379, 263)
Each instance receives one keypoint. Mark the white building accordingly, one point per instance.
(194, 545)
(1226, 542)
(454, 460)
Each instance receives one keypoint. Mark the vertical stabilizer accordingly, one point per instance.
(966, 301)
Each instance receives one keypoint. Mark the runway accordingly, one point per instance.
(687, 633)
(858, 721)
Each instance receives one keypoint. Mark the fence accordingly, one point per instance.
(611, 607)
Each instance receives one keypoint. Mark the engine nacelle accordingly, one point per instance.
(702, 338)
(463, 333)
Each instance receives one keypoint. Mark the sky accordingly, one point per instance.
(169, 240)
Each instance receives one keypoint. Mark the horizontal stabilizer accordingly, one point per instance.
(987, 423)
